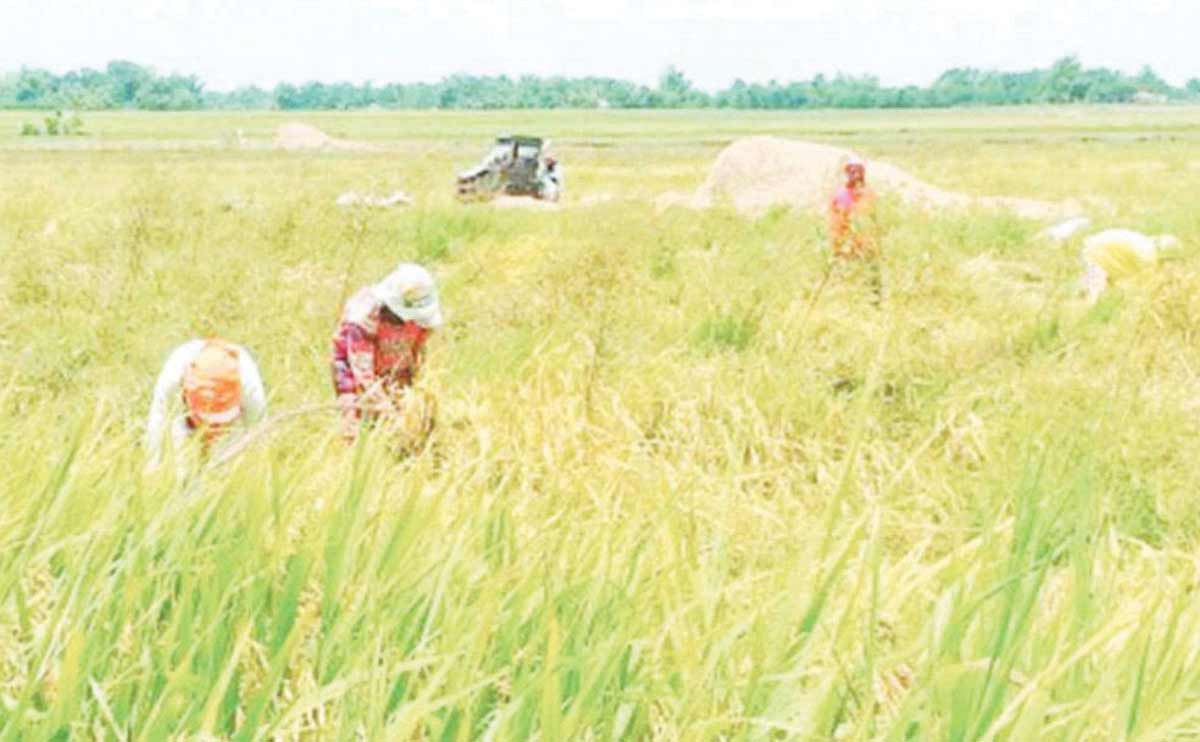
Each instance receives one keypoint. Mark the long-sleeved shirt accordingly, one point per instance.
(373, 345)
(851, 238)
(168, 396)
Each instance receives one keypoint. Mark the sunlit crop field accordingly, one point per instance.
(687, 481)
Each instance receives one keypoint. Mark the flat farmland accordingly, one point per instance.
(688, 481)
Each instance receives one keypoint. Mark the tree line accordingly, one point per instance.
(126, 85)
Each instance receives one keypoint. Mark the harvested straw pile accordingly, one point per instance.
(757, 173)
(295, 136)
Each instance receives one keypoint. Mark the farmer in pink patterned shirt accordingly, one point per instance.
(379, 343)
(852, 233)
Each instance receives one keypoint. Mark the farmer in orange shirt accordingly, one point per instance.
(852, 231)
(216, 384)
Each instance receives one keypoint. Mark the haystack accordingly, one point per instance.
(295, 136)
(300, 136)
(757, 173)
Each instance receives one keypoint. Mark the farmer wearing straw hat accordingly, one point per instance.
(851, 231)
(217, 384)
(1117, 254)
(379, 346)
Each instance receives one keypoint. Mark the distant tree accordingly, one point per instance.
(287, 96)
(419, 95)
(1108, 86)
(86, 89)
(174, 93)
(124, 84)
(906, 97)
(1064, 83)
(35, 88)
(8, 90)
(245, 98)
(819, 91)
(846, 91)
(127, 80)
(955, 87)
(676, 91)
(1148, 81)
(736, 96)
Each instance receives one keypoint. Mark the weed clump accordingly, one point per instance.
(55, 125)
(731, 330)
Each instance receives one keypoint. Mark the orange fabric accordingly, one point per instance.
(850, 230)
(212, 387)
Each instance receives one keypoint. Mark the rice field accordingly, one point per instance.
(688, 482)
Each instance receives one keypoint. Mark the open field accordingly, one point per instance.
(683, 485)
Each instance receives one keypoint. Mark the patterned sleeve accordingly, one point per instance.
(354, 344)
(353, 359)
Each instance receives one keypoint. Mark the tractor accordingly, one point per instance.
(514, 167)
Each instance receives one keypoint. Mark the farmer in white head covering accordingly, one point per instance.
(1117, 254)
(380, 342)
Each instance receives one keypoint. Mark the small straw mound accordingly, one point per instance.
(353, 198)
(296, 136)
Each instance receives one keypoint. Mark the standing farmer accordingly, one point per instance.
(216, 382)
(550, 182)
(852, 230)
(379, 346)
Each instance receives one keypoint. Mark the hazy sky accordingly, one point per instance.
(234, 42)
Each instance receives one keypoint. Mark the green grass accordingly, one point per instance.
(682, 486)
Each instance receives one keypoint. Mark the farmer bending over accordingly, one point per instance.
(1118, 254)
(217, 384)
(379, 344)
